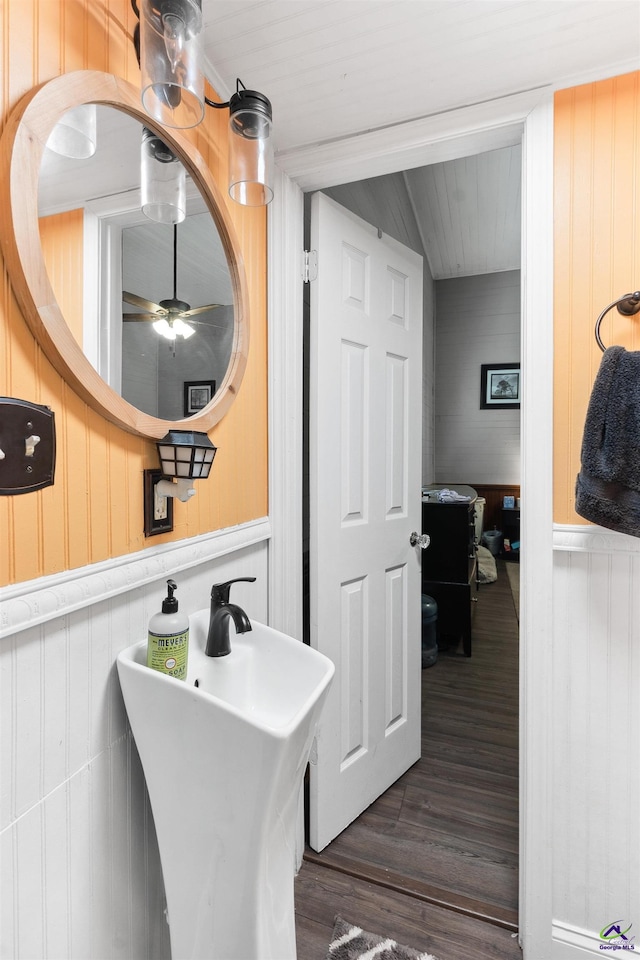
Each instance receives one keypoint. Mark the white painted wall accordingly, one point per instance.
(428, 378)
(594, 677)
(477, 321)
(81, 877)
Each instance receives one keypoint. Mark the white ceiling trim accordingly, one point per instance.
(597, 73)
(447, 136)
(481, 127)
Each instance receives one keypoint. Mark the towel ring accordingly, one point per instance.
(628, 306)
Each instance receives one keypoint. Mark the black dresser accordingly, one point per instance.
(449, 562)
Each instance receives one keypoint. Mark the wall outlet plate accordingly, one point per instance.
(158, 510)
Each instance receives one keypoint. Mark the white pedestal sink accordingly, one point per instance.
(224, 764)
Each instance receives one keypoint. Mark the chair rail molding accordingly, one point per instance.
(33, 602)
(578, 538)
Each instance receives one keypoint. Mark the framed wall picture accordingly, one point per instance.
(197, 394)
(500, 386)
(158, 510)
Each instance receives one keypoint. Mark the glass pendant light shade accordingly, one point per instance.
(172, 80)
(250, 148)
(74, 135)
(163, 187)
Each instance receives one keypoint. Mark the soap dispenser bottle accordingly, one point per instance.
(168, 641)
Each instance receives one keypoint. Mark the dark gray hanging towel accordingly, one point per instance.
(608, 485)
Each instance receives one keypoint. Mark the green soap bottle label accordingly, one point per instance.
(169, 653)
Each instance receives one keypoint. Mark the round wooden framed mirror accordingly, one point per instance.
(23, 144)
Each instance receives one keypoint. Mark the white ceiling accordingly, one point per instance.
(462, 215)
(335, 69)
(468, 212)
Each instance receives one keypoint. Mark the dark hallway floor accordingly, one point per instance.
(433, 863)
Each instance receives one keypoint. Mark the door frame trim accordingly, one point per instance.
(529, 118)
(285, 231)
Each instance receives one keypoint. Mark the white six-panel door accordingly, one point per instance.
(365, 486)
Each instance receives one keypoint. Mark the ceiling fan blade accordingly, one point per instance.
(148, 317)
(137, 301)
(209, 306)
(210, 324)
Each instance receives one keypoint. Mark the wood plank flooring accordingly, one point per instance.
(434, 861)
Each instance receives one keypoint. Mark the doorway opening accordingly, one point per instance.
(378, 202)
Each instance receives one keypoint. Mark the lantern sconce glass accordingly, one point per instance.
(185, 456)
(167, 43)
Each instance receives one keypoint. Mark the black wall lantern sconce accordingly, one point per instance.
(167, 39)
(185, 456)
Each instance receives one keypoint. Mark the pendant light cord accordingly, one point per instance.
(175, 261)
(212, 103)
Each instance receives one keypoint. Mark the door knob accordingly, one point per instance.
(421, 540)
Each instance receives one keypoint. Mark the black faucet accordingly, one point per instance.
(218, 644)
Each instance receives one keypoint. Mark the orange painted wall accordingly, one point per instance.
(94, 510)
(61, 236)
(597, 252)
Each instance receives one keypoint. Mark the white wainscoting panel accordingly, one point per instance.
(594, 681)
(80, 871)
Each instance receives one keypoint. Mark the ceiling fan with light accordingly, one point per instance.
(168, 316)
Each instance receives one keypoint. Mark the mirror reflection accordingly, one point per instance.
(172, 332)
(150, 303)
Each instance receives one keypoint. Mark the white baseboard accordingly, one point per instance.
(572, 943)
